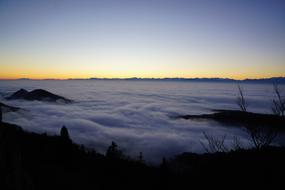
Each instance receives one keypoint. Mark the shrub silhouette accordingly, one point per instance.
(64, 135)
(261, 136)
(278, 107)
(215, 144)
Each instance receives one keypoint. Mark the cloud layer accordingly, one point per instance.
(135, 114)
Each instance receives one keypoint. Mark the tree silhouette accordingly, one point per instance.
(241, 102)
(215, 144)
(114, 152)
(261, 136)
(278, 107)
(64, 134)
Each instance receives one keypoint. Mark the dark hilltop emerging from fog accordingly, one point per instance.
(7, 108)
(38, 94)
(241, 119)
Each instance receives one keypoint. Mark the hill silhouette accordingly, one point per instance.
(38, 161)
(6, 108)
(38, 94)
(242, 119)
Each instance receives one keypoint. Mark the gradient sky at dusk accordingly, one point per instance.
(146, 38)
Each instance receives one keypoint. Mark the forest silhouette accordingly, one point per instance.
(38, 161)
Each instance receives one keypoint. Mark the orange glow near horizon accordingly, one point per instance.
(62, 75)
(143, 66)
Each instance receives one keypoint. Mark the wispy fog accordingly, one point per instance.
(135, 114)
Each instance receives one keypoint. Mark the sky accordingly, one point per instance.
(133, 38)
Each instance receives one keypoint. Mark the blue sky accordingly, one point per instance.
(158, 38)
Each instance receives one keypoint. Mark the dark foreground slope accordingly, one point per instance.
(240, 169)
(32, 161)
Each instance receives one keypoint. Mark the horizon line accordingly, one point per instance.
(148, 78)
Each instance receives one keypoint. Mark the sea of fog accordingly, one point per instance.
(137, 115)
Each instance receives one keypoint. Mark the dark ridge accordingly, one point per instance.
(272, 80)
(38, 94)
(18, 95)
(240, 118)
(5, 108)
(37, 161)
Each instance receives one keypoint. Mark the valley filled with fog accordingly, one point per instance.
(138, 115)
